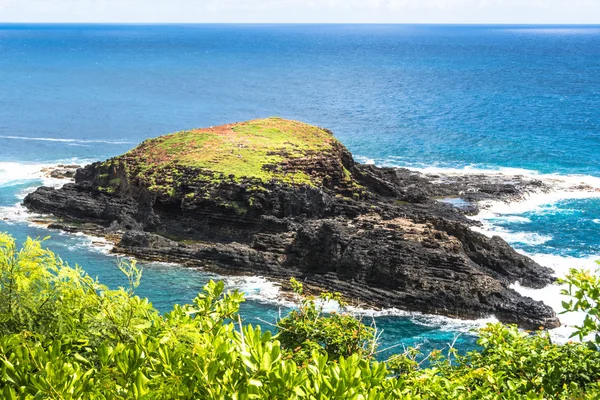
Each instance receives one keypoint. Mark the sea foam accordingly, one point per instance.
(13, 173)
(564, 187)
(62, 140)
(551, 295)
(24, 178)
(258, 288)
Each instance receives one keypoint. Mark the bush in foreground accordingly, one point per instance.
(63, 335)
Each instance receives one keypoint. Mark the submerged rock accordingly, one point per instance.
(281, 198)
(61, 171)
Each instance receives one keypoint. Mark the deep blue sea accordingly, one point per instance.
(459, 99)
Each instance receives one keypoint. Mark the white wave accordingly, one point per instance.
(432, 169)
(433, 321)
(96, 244)
(596, 221)
(16, 173)
(263, 290)
(473, 170)
(513, 219)
(534, 202)
(527, 238)
(565, 181)
(17, 214)
(171, 265)
(32, 175)
(365, 160)
(62, 140)
(258, 288)
(551, 295)
(564, 187)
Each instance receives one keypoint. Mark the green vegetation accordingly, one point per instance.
(115, 182)
(63, 335)
(260, 150)
(584, 288)
(306, 330)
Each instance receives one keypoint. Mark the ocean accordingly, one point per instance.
(449, 99)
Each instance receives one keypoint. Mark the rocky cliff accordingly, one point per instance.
(281, 198)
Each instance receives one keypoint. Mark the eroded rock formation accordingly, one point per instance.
(281, 198)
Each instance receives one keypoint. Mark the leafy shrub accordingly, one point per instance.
(584, 287)
(63, 335)
(512, 364)
(307, 329)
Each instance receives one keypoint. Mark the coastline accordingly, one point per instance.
(411, 218)
(528, 201)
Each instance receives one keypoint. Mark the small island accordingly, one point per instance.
(285, 199)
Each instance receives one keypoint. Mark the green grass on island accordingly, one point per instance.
(265, 150)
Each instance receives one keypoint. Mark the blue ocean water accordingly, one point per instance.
(501, 98)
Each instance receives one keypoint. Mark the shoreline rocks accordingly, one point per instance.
(386, 237)
(61, 171)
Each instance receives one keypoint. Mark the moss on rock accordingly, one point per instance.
(264, 150)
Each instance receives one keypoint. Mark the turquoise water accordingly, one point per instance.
(449, 97)
(549, 229)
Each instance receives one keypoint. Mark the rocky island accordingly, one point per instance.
(281, 198)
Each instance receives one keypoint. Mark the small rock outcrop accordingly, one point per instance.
(61, 171)
(281, 198)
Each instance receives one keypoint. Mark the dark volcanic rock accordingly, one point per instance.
(378, 235)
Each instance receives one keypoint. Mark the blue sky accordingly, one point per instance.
(377, 11)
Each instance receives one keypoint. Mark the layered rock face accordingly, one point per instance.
(281, 198)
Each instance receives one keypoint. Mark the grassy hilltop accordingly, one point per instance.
(263, 150)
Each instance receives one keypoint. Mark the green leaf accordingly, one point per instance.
(255, 382)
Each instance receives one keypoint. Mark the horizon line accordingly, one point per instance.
(594, 24)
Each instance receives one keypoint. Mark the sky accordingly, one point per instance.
(300, 11)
